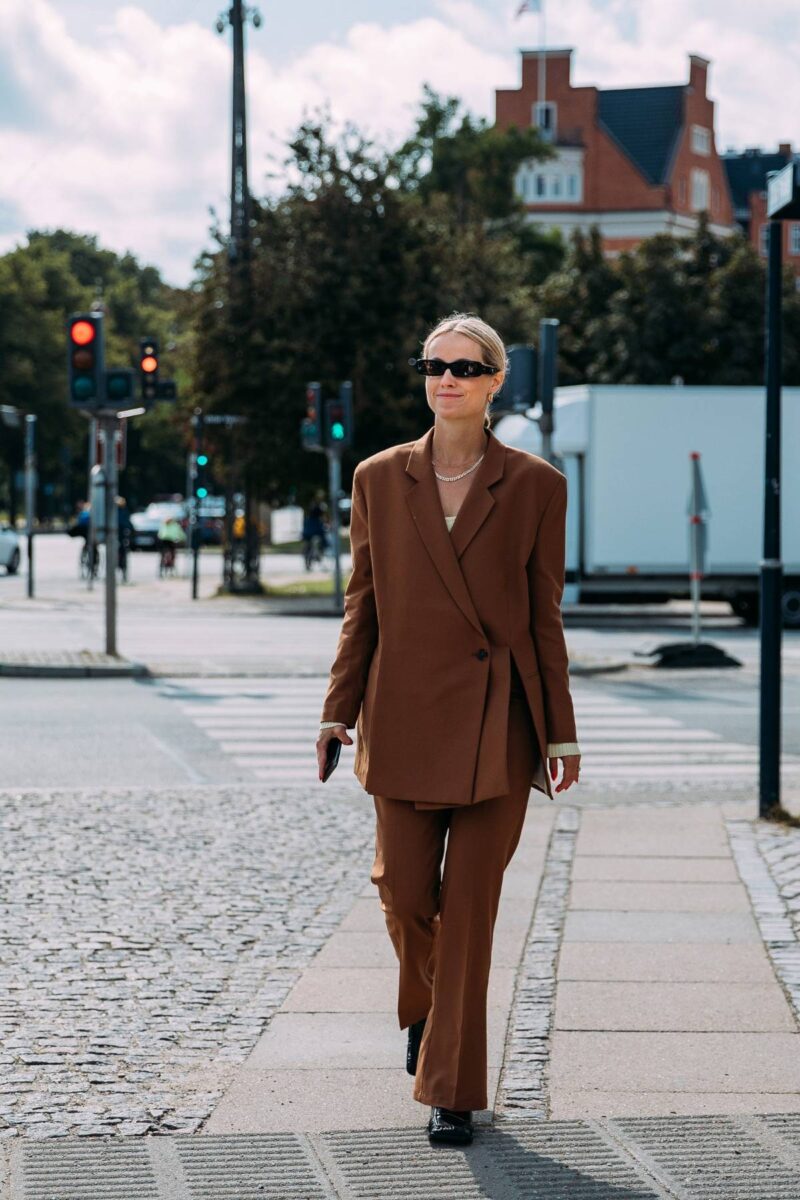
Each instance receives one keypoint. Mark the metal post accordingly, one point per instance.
(771, 617)
(334, 490)
(548, 370)
(108, 425)
(30, 491)
(194, 525)
(91, 540)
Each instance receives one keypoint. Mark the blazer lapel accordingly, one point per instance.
(479, 501)
(445, 548)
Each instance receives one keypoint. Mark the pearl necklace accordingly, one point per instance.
(453, 478)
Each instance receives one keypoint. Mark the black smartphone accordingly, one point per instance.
(331, 758)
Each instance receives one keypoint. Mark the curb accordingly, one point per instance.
(44, 670)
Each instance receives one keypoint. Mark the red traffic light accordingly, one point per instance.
(82, 332)
(149, 364)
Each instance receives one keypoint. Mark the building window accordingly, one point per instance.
(794, 238)
(558, 181)
(700, 190)
(701, 139)
(543, 117)
(763, 235)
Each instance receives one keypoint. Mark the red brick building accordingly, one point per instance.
(633, 161)
(747, 179)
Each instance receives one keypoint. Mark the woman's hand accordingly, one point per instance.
(325, 735)
(571, 770)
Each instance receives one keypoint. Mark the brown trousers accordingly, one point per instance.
(441, 917)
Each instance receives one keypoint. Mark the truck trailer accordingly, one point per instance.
(625, 451)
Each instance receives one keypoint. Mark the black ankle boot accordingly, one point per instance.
(450, 1128)
(412, 1051)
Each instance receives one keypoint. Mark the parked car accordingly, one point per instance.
(9, 549)
(146, 524)
(211, 520)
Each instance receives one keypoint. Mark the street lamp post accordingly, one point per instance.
(783, 201)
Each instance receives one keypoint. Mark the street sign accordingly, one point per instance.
(783, 192)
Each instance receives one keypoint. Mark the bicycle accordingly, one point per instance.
(167, 560)
(83, 563)
(314, 551)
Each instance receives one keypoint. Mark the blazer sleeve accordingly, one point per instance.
(359, 633)
(545, 570)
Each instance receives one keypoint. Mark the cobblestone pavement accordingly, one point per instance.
(147, 933)
(768, 859)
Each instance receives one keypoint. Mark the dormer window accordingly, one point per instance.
(543, 118)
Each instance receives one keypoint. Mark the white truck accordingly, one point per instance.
(625, 451)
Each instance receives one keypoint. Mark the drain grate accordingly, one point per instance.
(520, 1159)
(249, 1167)
(708, 1157)
(75, 1170)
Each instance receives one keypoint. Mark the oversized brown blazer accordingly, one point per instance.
(432, 617)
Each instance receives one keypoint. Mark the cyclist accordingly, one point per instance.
(170, 537)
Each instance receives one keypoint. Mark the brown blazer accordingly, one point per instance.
(432, 617)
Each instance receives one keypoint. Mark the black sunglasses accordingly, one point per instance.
(462, 368)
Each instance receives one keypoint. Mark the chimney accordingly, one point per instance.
(785, 150)
(698, 73)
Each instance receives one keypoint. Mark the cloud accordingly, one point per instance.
(128, 137)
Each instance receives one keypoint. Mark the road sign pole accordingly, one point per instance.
(30, 491)
(194, 527)
(334, 490)
(771, 615)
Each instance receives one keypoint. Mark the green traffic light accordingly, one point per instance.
(83, 387)
(202, 460)
(337, 431)
(202, 492)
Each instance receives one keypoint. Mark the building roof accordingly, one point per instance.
(747, 172)
(646, 122)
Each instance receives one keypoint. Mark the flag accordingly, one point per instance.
(528, 6)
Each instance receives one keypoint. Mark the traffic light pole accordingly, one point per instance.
(108, 426)
(194, 526)
(334, 491)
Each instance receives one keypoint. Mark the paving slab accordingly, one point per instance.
(668, 961)
(648, 896)
(312, 1101)
(585, 1105)
(698, 1007)
(610, 926)
(674, 1062)
(357, 949)
(322, 1041)
(653, 869)
(683, 831)
(372, 989)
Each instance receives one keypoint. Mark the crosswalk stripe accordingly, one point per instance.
(269, 728)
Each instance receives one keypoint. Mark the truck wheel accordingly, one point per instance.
(13, 563)
(745, 605)
(791, 606)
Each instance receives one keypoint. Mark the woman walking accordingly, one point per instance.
(452, 665)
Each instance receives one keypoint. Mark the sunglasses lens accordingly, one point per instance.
(432, 366)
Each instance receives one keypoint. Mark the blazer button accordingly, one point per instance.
(481, 654)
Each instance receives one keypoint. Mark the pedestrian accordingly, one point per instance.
(452, 665)
(124, 536)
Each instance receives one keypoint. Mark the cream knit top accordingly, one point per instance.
(554, 749)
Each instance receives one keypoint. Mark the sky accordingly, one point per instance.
(115, 117)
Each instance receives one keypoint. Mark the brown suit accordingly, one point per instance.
(452, 663)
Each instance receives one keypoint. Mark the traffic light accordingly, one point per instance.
(519, 390)
(148, 369)
(311, 426)
(85, 360)
(339, 419)
(201, 475)
(119, 386)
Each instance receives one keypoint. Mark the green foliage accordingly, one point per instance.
(41, 283)
(351, 267)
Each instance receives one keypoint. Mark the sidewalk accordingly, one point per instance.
(643, 1034)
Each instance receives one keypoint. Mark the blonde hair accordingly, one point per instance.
(489, 340)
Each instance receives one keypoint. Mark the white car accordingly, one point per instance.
(9, 549)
